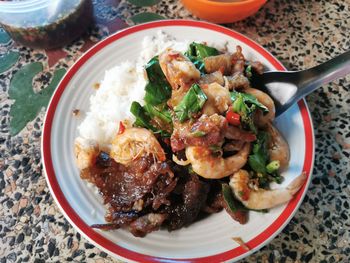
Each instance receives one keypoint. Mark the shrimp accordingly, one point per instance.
(278, 147)
(134, 143)
(262, 97)
(260, 198)
(86, 152)
(219, 99)
(208, 166)
(178, 69)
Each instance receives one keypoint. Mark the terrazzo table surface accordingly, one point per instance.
(300, 34)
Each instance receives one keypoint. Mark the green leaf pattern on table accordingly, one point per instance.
(144, 2)
(8, 60)
(27, 103)
(146, 17)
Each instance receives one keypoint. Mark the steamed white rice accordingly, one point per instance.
(120, 86)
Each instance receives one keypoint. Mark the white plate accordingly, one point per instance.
(208, 240)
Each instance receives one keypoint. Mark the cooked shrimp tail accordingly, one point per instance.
(259, 198)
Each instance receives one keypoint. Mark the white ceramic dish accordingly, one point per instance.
(208, 240)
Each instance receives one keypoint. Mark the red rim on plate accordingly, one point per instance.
(257, 242)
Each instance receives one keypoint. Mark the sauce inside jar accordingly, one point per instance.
(45, 24)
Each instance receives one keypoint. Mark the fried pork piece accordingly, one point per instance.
(128, 190)
(207, 130)
(218, 101)
(147, 224)
(191, 199)
(215, 77)
(221, 63)
(236, 81)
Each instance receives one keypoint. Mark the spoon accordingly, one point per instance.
(288, 87)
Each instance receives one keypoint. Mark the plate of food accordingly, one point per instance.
(157, 148)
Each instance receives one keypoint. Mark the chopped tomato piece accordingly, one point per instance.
(121, 128)
(233, 118)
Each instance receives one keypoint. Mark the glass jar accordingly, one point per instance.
(45, 23)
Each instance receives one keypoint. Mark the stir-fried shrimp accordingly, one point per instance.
(262, 97)
(205, 164)
(219, 99)
(134, 143)
(258, 198)
(86, 152)
(278, 147)
(178, 69)
(221, 63)
(211, 78)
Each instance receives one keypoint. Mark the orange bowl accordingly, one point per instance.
(223, 12)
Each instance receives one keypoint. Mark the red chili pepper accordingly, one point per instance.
(233, 118)
(249, 137)
(121, 128)
(245, 194)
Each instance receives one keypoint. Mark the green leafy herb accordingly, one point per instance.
(158, 90)
(197, 52)
(272, 167)
(199, 63)
(160, 112)
(248, 71)
(245, 105)
(143, 119)
(257, 161)
(249, 100)
(230, 200)
(191, 103)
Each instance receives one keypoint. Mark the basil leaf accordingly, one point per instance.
(197, 52)
(249, 100)
(191, 103)
(158, 90)
(156, 111)
(257, 163)
(258, 160)
(199, 63)
(201, 51)
(230, 200)
(143, 119)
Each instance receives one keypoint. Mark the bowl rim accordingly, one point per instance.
(123, 253)
(226, 4)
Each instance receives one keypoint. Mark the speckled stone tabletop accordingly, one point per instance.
(300, 34)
